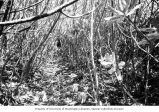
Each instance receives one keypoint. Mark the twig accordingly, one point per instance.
(24, 7)
(125, 90)
(78, 16)
(137, 44)
(33, 18)
(142, 48)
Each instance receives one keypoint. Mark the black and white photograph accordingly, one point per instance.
(99, 55)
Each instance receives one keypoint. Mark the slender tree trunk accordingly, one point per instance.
(147, 75)
(92, 57)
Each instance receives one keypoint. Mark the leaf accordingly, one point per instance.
(115, 11)
(107, 61)
(121, 64)
(1, 62)
(100, 103)
(122, 5)
(86, 88)
(108, 57)
(68, 100)
(73, 75)
(82, 96)
(72, 103)
(157, 45)
(113, 58)
(151, 37)
(13, 85)
(44, 98)
(148, 29)
(119, 76)
(114, 18)
(143, 42)
(132, 3)
(23, 97)
(110, 18)
(137, 104)
(106, 64)
(134, 9)
(1, 93)
(111, 71)
(36, 99)
(75, 87)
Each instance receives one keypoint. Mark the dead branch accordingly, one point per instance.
(33, 18)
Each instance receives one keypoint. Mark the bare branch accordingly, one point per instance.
(78, 16)
(136, 42)
(25, 7)
(58, 9)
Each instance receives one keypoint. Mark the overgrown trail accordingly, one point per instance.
(51, 67)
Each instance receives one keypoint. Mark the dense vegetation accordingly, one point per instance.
(79, 52)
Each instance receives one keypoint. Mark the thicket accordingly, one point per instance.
(79, 52)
